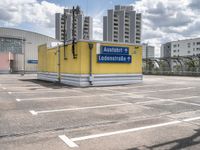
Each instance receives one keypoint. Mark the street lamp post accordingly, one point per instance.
(24, 56)
(147, 58)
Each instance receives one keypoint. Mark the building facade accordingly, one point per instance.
(186, 47)
(148, 51)
(122, 24)
(23, 47)
(83, 25)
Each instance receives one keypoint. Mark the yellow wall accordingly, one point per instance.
(80, 65)
(111, 68)
(70, 65)
(42, 57)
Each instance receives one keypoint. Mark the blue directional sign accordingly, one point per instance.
(32, 61)
(114, 50)
(104, 58)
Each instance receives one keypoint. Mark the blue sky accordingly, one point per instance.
(91, 7)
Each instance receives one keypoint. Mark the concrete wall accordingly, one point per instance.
(5, 59)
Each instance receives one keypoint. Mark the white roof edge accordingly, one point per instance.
(183, 40)
(7, 28)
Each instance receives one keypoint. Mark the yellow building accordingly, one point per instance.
(91, 63)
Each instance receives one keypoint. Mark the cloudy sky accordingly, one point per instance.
(163, 20)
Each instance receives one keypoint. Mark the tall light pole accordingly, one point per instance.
(147, 56)
(24, 55)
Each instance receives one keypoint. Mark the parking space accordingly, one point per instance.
(160, 113)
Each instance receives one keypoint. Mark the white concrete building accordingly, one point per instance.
(122, 24)
(24, 47)
(148, 51)
(186, 47)
(83, 25)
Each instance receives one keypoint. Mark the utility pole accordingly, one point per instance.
(64, 42)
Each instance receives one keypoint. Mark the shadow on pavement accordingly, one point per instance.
(47, 84)
(183, 143)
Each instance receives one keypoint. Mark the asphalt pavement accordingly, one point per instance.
(161, 113)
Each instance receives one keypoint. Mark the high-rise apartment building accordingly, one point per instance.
(83, 25)
(122, 24)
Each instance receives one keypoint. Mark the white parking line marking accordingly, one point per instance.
(175, 100)
(150, 91)
(48, 98)
(18, 99)
(166, 90)
(69, 142)
(132, 87)
(194, 104)
(33, 112)
(78, 108)
(131, 130)
(155, 99)
(9, 92)
(191, 119)
(176, 89)
(123, 131)
(4, 88)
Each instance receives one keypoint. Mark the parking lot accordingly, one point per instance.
(163, 112)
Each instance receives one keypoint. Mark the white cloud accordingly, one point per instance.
(98, 26)
(169, 20)
(15, 12)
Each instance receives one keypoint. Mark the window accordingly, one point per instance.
(188, 52)
(198, 43)
(174, 45)
(188, 45)
(127, 41)
(11, 45)
(174, 51)
(193, 43)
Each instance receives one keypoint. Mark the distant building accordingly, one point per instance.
(122, 24)
(186, 47)
(83, 25)
(148, 51)
(19, 49)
